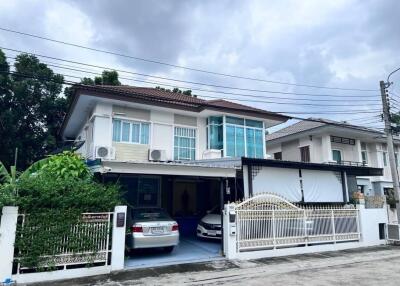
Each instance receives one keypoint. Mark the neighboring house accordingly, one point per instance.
(324, 141)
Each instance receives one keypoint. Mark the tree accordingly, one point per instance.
(31, 110)
(106, 78)
(187, 92)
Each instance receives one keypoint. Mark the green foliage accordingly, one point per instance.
(47, 234)
(52, 194)
(66, 165)
(31, 110)
(4, 175)
(177, 90)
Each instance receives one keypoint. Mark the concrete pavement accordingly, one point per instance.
(366, 266)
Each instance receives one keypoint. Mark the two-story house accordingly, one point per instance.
(325, 141)
(153, 141)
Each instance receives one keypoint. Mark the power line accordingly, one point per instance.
(328, 112)
(202, 95)
(179, 66)
(198, 83)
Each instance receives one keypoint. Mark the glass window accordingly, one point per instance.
(250, 141)
(214, 120)
(305, 154)
(133, 132)
(259, 141)
(234, 120)
(384, 155)
(337, 156)
(145, 133)
(184, 143)
(230, 141)
(125, 131)
(239, 136)
(116, 130)
(254, 123)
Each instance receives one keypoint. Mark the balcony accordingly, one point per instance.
(348, 163)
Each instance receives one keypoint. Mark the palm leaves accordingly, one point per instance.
(4, 175)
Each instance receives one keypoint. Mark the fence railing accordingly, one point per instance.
(277, 228)
(90, 236)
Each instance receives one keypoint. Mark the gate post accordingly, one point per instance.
(230, 233)
(8, 228)
(118, 238)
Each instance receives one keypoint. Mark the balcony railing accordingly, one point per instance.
(349, 163)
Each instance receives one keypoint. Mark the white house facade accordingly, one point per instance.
(323, 141)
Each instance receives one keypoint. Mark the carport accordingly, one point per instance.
(186, 191)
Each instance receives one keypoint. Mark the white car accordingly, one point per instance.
(210, 225)
(151, 228)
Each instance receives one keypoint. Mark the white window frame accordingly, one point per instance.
(245, 127)
(195, 129)
(131, 121)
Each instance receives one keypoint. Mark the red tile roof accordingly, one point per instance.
(179, 99)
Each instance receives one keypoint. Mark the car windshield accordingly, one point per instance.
(150, 214)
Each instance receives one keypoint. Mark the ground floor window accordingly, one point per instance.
(305, 154)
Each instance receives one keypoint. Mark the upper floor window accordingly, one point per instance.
(215, 139)
(131, 131)
(337, 156)
(364, 153)
(305, 154)
(384, 155)
(244, 137)
(184, 143)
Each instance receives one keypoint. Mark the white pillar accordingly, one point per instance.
(8, 229)
(326, 149)
(118, 238)
(229, 232)
(358, 157)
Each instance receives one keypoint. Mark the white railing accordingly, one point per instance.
(269, 221)
(91, 236)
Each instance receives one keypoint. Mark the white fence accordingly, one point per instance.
(101, 251)
(267, 225)
(90, 235)
(268, 221)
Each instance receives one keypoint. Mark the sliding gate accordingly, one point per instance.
(270, 221)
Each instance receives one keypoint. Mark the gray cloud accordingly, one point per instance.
(333, 43)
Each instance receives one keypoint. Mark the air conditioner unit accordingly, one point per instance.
(157, 155)
(212, 154)
(104, 152)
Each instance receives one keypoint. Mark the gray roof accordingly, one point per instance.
(306, 125)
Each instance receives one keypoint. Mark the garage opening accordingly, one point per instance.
(193, 203)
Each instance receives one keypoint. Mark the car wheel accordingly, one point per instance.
(169, 249)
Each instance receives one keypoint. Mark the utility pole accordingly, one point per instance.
(390, 148)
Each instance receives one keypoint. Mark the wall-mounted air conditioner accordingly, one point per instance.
(104, 152)
(212, 154)
(157, 155)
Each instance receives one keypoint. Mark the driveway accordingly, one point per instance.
(367, 266)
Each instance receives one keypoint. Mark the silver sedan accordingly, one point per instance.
(150, 228)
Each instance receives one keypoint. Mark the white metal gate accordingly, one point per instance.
(270, 221)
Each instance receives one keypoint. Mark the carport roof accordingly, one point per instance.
(350, 170)
(190, 168)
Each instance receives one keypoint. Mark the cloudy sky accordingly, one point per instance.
(345, 44)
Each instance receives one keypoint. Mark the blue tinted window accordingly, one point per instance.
(240, 148)
(145, 133)
(135, 133)
(234, 120)
(230, 141)
(254, 123)
(250, 142)
(125, 131)
(259, 142)
(116, 130)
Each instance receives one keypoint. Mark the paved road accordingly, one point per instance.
(369, 266)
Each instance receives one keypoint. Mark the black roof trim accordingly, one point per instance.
(350, 170)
